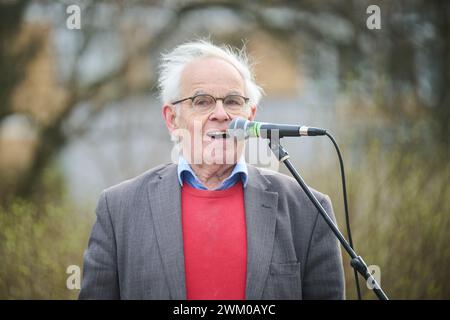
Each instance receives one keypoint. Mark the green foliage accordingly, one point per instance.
(39, 239)
(400, 204)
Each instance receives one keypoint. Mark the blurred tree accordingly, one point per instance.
(12, 58)
(410, 31)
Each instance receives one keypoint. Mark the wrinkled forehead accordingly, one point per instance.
(211, 73)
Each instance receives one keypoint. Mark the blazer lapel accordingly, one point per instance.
(260, 209)
(165, 202)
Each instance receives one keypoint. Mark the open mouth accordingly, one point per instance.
(218, 135)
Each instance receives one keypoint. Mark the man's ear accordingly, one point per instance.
(170, 117)
(252, 113)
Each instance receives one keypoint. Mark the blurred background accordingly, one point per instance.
(79, 111)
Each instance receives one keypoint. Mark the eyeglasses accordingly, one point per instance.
(206, 103)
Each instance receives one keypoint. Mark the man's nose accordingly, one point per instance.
(219, 111)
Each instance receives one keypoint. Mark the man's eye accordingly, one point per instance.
(202, 102)
(233, 101)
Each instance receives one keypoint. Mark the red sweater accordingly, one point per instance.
(215, 242)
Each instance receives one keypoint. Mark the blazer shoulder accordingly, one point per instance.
(136, 183)
(286, 184)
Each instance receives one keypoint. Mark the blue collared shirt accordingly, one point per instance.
(186, 174)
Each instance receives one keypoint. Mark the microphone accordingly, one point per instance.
(241, 128)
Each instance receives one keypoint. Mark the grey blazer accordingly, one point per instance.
(135, 249)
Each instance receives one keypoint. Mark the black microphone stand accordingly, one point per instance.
(356, 261)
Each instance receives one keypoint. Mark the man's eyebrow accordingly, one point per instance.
(233, 92)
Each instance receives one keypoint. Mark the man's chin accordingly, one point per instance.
(222, 159)
(220, 151)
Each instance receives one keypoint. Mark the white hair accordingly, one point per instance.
(174, 62)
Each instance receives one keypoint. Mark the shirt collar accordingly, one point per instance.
(185, 172)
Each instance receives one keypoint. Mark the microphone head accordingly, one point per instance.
(237, 128)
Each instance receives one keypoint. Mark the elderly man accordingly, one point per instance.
(210, 226)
